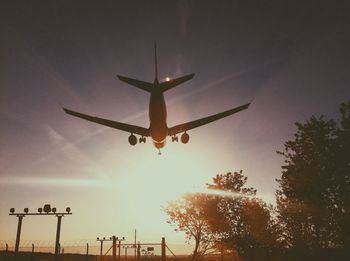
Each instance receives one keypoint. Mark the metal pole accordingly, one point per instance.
(32, 257)
(135, 251)
(18, 237)
(101, 248)
(6, 251)
(163, 249)
(119, 251)
(114, 248)
(87, 251)
(58, 231)
(126, 253)
(138, 252)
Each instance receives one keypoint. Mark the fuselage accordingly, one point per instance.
(157, 117)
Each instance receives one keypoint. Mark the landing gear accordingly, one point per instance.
(159, 153)
(185, 138)
(132, 140)
(174, 138)
(142, 139)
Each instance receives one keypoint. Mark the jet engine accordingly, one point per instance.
(132, 140)
(185, 138)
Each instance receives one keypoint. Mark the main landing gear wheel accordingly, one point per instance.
(185, 138)
(132, 140)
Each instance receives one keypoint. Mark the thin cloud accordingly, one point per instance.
(35, 181)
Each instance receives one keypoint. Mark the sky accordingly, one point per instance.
(290, 59)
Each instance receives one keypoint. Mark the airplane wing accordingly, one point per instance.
(194, 124)
(146, 86)
(174, 82)
(113, 124)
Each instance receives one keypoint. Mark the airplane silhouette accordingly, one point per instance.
(158, 129)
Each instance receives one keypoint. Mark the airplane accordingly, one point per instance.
(158, 129)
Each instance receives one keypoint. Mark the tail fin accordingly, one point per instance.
(149, 87)
(146, 86)
(155, 62)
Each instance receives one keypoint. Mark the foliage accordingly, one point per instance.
(313, 199)
(243, 222)
(189, 215)
(228, 216)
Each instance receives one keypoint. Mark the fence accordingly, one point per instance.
(92, 249)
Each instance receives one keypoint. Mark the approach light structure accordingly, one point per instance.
(45, 211)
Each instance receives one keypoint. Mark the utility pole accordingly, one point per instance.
(114, 240)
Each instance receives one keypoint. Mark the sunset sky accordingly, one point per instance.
(291, 60)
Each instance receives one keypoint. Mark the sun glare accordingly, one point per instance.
(161, 178)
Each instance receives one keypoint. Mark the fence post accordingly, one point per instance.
(138, 252)
(163, 249)
(87, 251)
(6, 251)
(32, 257)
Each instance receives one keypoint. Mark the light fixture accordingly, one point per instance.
(47, 208)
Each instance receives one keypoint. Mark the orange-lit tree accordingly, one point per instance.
(228, 217)
(188, 214)
(242, 222)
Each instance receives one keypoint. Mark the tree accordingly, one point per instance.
(245, 224)
(342, 177)
(189, 215)
(228, 216)
(313, 199)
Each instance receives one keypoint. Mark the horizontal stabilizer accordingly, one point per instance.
(113, 124)
(146, 86)
(164, 86)
(194, 124)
